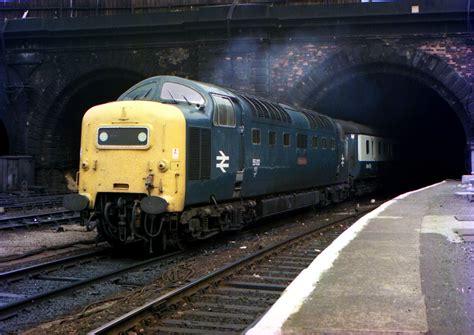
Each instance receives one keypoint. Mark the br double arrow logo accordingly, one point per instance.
(222, 161)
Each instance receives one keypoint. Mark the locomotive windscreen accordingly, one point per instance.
(111, 137)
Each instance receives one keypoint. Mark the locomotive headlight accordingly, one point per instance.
(142, 137)
(103, 136)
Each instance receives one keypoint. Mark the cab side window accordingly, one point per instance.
(224, 115)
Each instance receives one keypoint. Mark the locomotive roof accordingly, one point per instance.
(315, 119)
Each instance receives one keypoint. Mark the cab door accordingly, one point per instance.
(226, 152)
(342, 156)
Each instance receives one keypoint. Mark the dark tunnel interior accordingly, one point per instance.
(432, 139)
(4, 144)
(68, 127)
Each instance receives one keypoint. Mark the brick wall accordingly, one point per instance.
(271, 68)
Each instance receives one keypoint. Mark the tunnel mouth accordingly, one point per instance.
(61, 144)
(4, 143)
(431, 135)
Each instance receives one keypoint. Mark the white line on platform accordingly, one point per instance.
(295, 294)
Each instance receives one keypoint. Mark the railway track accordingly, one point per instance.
(11, 203)
(22, 288)
(231, 298)
(38, 218)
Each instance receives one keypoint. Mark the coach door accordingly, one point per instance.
(227, 146)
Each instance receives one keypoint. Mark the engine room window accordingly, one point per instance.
(225, 114)
(144, 92)
(315, 142)
(255, 136)
(333, 144)
(181, 93)
(323, 143)
(301, 141)
(271, 138)
(286, 139)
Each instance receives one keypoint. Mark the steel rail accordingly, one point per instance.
(14, 257)
(206, 281)
(36, 199)
(9, 310)
(30, 204)
(37, 219)
(35, 269)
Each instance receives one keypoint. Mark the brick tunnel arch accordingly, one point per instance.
(60, 129)
(371, 84)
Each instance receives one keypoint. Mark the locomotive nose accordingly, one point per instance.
(136, 148)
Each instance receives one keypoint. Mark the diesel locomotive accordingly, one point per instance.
(174, 159)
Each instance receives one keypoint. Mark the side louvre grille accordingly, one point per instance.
(199, 153)
(205, 154)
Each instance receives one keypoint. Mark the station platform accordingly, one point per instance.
(405, 268)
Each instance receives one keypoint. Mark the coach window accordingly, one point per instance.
(255, 136)
(301, 141)
(323, 143)
(286, 139)
(224, 115)
(271, 138)
(333, 144)
(315, 142)
(177, 92)
(380, 148)
(367, 147)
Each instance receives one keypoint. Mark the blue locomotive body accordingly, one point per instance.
(263, 148)
(245, 158)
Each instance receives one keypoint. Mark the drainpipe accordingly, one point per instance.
(470, 145)
(230, 13)
(3, 60)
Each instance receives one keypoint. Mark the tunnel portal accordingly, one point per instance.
(61, 142)
(432, 138)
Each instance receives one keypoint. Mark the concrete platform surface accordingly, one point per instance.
(405, 268)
